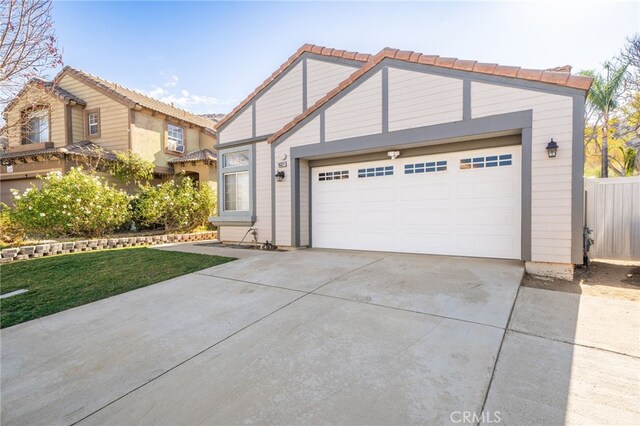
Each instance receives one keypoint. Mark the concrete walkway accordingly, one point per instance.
(312, 336)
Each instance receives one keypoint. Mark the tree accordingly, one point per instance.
(631, 55)
(130, 167)
(603, 100)
(28, 45)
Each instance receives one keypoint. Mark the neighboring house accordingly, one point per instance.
(78, 117)
(405, 152)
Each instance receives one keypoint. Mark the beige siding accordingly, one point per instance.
(234, 234)
(36, 97)
(77, 124)
(114, 116)
(280, 103)
(417, 99)
(263, 191)
(304, 203)
(551, 178)
(358, 113)
(308, 134)
(241, 127)
(323, 76)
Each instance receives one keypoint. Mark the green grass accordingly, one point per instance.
(63, 282)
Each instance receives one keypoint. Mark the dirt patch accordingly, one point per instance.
(619, 280)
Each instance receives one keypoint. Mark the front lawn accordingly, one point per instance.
(63, 282)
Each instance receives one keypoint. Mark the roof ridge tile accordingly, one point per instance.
(554, 76)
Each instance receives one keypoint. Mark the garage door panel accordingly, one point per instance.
(420, 209)
(427, 216)
(493, 189)
(485, 216)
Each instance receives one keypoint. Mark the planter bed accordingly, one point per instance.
(55, 248)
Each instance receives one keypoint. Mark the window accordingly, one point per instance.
(92, 119)
(324, 176)
(375, 171)
(236, 181)
(175, 138)
(482, 162)
(236, 191)
(37, 126)
(236, 159)
(433, 166)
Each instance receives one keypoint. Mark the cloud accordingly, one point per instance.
(169, 92)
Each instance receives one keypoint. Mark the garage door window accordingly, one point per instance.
(482, 162)
(375, 171)
(433, 166)
(337, 175)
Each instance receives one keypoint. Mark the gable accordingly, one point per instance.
(418, 99)
(280, 103)
(306, 77)
(308, 80)
(358, 113)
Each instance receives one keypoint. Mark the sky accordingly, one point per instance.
(208, 56)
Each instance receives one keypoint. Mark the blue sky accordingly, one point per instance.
(207, 56)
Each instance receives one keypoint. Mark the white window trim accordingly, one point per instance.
(172, 140)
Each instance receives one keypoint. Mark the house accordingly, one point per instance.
(405, 152)
(78, 117)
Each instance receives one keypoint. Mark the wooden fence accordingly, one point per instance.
(613, 213)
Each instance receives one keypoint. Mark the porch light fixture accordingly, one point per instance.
(552, 149)
(393, 154)
(279, 176)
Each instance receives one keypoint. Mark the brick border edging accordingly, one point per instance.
(50, 249)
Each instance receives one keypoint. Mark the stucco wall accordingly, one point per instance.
(148, 138)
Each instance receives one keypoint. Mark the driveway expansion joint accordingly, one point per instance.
(566, 342)
(186, 360)
(504, 335)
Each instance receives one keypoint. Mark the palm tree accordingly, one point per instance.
(603, 98)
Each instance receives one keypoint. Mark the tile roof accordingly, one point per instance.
(57, 91)
(559, 76)
(201, 155)
(82, 149)
(306, 48)
(133, 98)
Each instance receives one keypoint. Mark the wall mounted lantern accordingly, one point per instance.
(279, 175)
(552, 149)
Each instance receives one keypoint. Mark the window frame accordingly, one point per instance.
(240, 215)
(166, 140)
(87, 132)
(25, 113)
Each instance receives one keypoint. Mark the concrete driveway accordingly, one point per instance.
(310, 336)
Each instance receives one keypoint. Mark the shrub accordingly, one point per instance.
(130, 167)
(181, 204)
(10, 232)
(75, 204)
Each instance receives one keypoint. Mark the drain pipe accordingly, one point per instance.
(254, 232)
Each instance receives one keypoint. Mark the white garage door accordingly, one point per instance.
(464, 203)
